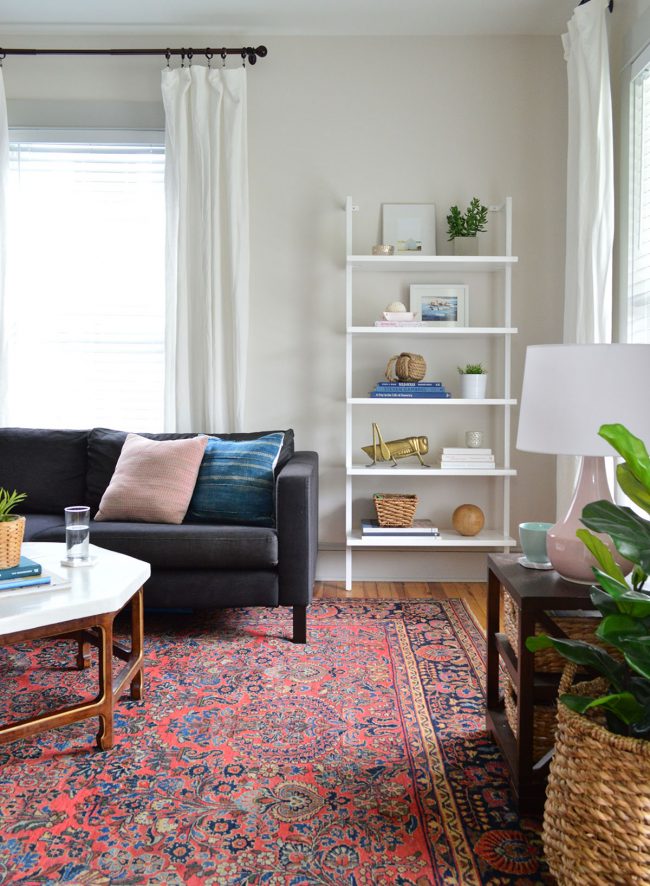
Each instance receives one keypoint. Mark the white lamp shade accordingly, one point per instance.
(569, 391)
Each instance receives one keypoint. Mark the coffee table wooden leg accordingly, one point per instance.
(83, 653)
(105, 734)
(137, 641)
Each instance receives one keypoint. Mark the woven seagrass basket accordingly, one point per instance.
(597, 812)
(11, 539)
(548, 660)
(544, 721)
(395, 509)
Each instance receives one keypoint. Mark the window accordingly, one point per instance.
(638, 302)
(85, 283)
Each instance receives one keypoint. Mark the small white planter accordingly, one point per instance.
(466, 245)
(473, 387)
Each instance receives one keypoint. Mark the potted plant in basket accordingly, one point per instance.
(463, 227)
(597, 812)
(473, 381)
(12, 528)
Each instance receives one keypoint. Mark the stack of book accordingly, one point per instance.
(463, 458)
(418, 527)
(29, 575)
(410, 323)
(409, 389)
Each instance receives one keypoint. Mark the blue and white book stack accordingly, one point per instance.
(426, 390)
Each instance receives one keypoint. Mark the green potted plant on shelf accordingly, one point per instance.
(464, 227)
(473, 381)
(12, 528)
(597, 813)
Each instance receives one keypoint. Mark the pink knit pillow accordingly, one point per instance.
(153, 480)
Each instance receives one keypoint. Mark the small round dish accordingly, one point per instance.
(527, 563)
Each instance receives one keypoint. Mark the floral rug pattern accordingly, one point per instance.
(360, 758)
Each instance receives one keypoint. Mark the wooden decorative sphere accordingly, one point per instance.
(468, 519)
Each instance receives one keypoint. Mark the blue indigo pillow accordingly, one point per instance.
(236, 481)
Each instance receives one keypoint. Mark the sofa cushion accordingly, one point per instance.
(42, 527)
(49, 465)
(153, 480)
(235, 482)
(105, 445)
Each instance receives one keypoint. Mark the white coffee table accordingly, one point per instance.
(85, 612)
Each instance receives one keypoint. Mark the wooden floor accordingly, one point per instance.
(475, 593)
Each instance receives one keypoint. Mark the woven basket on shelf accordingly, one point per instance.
(11, 539)
(548, 660)
(597, 812)
(544, 720)
(395, 509)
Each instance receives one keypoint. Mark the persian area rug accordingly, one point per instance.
(358, 759)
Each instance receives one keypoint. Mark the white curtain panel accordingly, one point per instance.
(590, 196)
(207, 273)
(4, 194)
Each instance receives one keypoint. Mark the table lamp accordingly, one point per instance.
(568, 392)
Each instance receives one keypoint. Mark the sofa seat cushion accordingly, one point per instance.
(188, 546)
(43, 527)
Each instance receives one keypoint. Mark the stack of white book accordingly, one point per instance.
(462, 458)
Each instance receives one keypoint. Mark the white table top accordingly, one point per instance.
(104, 587)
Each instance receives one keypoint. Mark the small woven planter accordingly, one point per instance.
(11, 539)
(544, 721)
(597, 812)
(395, 509)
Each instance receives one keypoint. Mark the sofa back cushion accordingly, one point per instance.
(105, 445)
(235, 482)
(153, 480)
(49, 465)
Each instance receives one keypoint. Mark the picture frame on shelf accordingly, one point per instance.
(410, 227)
(441, 304)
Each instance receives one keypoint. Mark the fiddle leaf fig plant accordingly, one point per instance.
(8, 501)
(470, 223)
(623, 603)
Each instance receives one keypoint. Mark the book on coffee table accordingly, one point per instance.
(47, 581)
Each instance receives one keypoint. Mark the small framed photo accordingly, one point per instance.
(443, 304)
(410, 227)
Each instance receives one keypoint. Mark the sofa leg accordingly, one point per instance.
(299, 624)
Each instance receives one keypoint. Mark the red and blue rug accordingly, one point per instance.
(358, 759)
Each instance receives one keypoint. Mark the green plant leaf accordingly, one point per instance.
(614, 629)
(584, 654)
(631, 448)
(629, 532)
(602, 554)
(603, 601)
(622, 704)
(634, 490)
(634, 603)
(637, 655)
(610, 585)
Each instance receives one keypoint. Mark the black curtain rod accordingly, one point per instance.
(248, 53)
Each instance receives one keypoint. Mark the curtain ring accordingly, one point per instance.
(190, 53)
(168, 55)
(243, 58)
(182, 58)
(3, 56)
(223, 57)
(209, 55)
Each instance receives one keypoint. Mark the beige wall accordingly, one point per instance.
(384, 120)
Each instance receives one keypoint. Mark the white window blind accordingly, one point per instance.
(639, 252)
(85, 285)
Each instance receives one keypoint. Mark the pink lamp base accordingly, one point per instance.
(569, 556)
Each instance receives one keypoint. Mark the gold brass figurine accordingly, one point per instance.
(379, 450)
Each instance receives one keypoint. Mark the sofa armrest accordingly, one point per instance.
(296, 511)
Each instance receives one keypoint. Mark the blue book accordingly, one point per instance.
(410, 391)
(25, 567)
(429, 395)
(25, 582)
(409, 384)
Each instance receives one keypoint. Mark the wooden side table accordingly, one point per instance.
(533, 592)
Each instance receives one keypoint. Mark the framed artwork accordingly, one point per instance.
(410, 227)
(443, 304)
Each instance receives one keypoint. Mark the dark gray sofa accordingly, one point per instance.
(193, 565)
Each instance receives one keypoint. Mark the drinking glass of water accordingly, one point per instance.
(77, 535)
